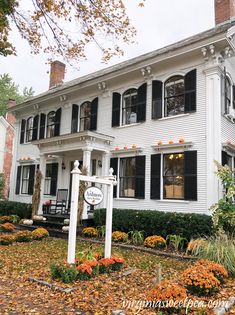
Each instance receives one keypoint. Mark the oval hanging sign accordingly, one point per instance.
(93, 196)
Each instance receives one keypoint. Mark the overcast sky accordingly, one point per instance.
(159, 23)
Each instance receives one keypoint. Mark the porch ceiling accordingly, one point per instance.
(75, 141)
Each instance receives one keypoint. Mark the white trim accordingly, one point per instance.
(173, 146)
(128, 125)
(173, 201)
(174, 116)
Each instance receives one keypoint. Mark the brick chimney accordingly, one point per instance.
(8, 154)
(57, 73)
(224, 10)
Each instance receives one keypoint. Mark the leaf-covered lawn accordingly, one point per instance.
(100, 295)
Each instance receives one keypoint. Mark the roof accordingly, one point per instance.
(218, 29)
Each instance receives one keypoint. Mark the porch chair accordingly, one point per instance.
(59, 205)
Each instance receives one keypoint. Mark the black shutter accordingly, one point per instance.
(42, 126)
(18, 177)
(22, 130)
(224, 158)
(190, 83)
(141, 102)
(140, 177)
(116, 109)
(190, 175)
(35, 127)
(57, 122)
(74, 122)
(31, 179)
(156, 99)
(54, 176)
(155, 191)
(114, 165)
(94, 110)
(233, 96)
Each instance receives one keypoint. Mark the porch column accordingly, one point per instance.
(87, 164)
(105, 172)
(42, 167)
(213, 134)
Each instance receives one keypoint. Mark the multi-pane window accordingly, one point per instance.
(29, 129)
(173, 176)
(50, 184)
(51, 119)
(25, 179)
(85, 116)
(129, 107)
(228, 90)
(174, 96)
(127, 177)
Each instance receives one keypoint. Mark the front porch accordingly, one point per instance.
(57, 156)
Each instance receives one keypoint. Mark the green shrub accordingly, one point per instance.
(23, 210)
(188, 225)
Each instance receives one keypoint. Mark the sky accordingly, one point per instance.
(158, 23)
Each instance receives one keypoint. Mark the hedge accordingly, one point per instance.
(188, 225)
(23, 210)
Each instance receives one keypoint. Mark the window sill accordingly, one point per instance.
(173, 201)
(129, 125)
(229, 117)
(175, 116)
(126, 199)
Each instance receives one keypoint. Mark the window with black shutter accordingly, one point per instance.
(224, 158)
(141, 102)
(233, 96)
(94, 111)
(190, 83)
(155, 190)
(74, 121)
(22, 131)
(35, 127)
(114, 165)
(42, 126)
(156, 99)
(116, 109)
(51, 176)
(140, 177)
(18, 178)
(190, 175)
(57, 122)
(29, 129)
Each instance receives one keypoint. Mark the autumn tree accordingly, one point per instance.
(66, 27)
(10, 90)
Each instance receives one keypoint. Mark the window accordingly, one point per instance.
(130, 107)
(74, 121)
(25, 179)
(51, 124)
(228, 87)
(127, 177)
(29, 129)
(88, 115)
(51, 179)
(174, 96)
(179, 94)
(85, 116)
(173, 176)
(131, 174)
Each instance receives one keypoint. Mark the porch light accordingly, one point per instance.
(99, 163)
(63, 166)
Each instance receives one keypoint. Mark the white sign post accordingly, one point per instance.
(110, 181)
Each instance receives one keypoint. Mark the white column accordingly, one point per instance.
(42, 167)
(105, 172)
(213, 132)
(87, 164)
(109, 219)
(73, 214)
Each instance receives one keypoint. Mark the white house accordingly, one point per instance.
(160, 120)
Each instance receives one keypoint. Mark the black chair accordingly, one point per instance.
(59, 205)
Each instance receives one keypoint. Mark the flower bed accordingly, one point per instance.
(23, 236)
(86, 269)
